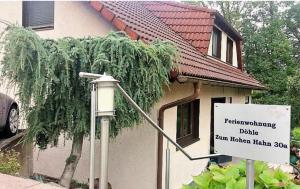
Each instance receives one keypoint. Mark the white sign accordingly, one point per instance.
(257, 132)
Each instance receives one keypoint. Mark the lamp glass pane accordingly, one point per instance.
(105, 99)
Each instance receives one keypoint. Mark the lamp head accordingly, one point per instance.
(105, 86)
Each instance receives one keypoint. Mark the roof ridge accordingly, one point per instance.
(189, 6)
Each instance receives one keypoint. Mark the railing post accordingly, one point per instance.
(92, 150)
(167, 176)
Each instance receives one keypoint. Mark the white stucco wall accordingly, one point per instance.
(75, 19)
(132, 159)
(182, 169)
(223, 49)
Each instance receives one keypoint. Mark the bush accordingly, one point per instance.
(296, 133)
(9, 163)
(234, 177)
(295, 138)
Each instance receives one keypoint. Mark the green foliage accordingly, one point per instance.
(76, 184)
(56, 100)
(268, 56)
(234, 177)
(296, 133)
(293, 31)
(294, 98)
(70, 159)
(9, 162)
(292, 21)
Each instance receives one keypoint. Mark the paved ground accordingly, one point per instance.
(11, 182)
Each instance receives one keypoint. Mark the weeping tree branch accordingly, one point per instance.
(56, 100)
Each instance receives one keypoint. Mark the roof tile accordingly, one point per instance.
(119, 24)
(132, 34)
(106, 13)
(96, 5)
(185, 19)
(151, 21)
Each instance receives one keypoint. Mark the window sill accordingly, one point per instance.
(221, 61)
(216, 57)
(230, 63)
(41, 28)
(187, 143)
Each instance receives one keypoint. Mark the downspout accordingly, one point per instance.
(161, 125)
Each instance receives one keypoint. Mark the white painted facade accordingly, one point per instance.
(179, 163)
(133, 153)
(224, 48)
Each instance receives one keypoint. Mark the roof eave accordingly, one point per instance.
(183, 77)
(221, 17)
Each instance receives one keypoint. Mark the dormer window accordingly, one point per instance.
(216, 43)
(229, 51)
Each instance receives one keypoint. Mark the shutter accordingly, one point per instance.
(38, 14)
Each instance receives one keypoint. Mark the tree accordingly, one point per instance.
(268, 57)
(293, 28)
(55, 100)
(293, 94)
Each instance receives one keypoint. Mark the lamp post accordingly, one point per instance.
(102, 105)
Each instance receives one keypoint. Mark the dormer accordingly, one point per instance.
(205, 29)
(225, 43)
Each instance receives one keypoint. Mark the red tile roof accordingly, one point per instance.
(139, 21)
(194, 25)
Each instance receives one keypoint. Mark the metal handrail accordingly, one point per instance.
(129, 99)
(295, 167)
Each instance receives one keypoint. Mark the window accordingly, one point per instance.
(247, 99)
(38, 14)
(216, 43)
(229, 100)
(229, 51)
(188, 123)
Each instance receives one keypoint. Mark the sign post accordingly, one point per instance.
(253, 132)
(250, 173)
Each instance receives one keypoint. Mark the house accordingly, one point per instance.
(210, 71)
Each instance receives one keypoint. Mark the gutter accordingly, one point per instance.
(182, 78)
(161, 125)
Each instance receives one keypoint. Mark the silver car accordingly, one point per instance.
(9, 115)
